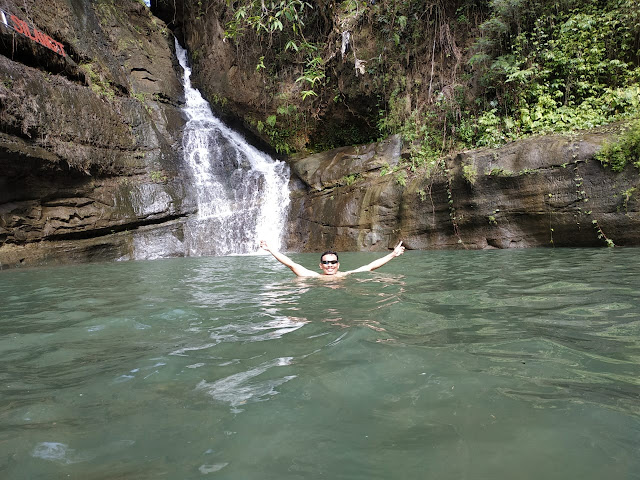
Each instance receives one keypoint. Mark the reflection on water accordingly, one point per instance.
(500, 364)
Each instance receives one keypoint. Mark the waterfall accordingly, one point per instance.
(242, 193)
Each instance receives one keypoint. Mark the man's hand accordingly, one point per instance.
(399, 250)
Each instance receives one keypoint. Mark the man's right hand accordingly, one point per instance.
(399, 250)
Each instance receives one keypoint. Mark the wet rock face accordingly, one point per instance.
(90, 141)
(540, 192)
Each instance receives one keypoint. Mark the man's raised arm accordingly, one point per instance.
(296, 268)
(399, 250)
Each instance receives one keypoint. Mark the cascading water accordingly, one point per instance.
(242, 193)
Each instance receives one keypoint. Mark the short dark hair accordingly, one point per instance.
(329, 252)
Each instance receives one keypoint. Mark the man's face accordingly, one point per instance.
(329, 264)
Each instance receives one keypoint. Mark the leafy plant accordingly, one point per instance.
(556, 67)
(626, 151)
(271, 120)
(349, 180)
(158, 176)
(469, 173)
(278, 24)
(313, 74)
(626, 197)
(601, 234)
(401, 178)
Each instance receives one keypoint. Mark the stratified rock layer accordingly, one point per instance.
(543, 191)
(90, 142)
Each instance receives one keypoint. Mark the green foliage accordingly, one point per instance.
(349, 180)
(267, 17)
(535, 67)
(287, 109)
(626, 151)
(554, 67)
(313, 76)
(99, 85)
(469, 173)
(401, 178)
(490, 131)
(279, 139)
(500, 172)
(423, 141)
(601, 234)
(626, 197)
(279, 27)
(158, 176)
(219, 100)
(538, 67)
(280, 134)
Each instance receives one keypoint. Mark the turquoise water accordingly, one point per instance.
(446, 365)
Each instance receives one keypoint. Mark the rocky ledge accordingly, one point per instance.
(539, 192)
(90, 137)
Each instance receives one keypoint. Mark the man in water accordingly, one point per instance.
(329, 263)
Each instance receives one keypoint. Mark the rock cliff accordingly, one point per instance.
(91, 164)
(540, 192)
(90, 132)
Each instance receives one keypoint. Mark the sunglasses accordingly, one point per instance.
(329, 262)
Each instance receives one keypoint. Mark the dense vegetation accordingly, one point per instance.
(446, 74)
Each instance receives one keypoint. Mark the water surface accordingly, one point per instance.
(447, 365)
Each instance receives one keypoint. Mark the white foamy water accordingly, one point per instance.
(242, 193)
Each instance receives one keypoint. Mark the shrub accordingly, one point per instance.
(624, 152)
